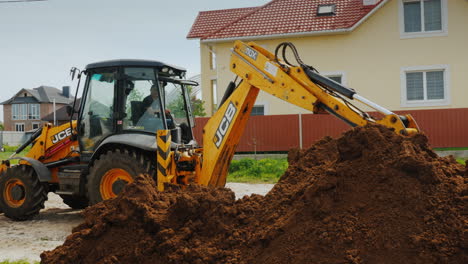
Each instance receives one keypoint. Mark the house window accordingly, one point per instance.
(423, 17)
(337, 76)
(214, 91)
(35, 125)
(19, 112)
(34, 112)
(212, 58)
(25, 112)
(326, 10)
(425, 86)
(19, 127)
(258, 110)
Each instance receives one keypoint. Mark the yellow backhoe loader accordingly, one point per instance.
(135, 117)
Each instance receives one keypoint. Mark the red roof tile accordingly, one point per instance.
(209, 21)
(278, 17)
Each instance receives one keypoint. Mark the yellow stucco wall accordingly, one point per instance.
(372, 58)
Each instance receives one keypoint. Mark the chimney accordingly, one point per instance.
(369, 2)
(66, 91)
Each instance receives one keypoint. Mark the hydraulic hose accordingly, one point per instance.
(29, 141)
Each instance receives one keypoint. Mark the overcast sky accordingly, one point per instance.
(41, 41)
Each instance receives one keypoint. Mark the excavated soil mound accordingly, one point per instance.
(370, 196)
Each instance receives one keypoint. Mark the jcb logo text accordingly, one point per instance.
(225, 124)
(61, 135)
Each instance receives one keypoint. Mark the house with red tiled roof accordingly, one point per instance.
(401, 54)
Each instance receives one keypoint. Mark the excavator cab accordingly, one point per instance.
(128, 101)
(131, 113)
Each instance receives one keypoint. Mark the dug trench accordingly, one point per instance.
(370, 196)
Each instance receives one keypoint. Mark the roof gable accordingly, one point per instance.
(48, 94)
(41, 94)
(283, 17)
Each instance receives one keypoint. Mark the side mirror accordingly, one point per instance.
(129, 86)
(70, 111)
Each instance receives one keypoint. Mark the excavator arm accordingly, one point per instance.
(300, 85)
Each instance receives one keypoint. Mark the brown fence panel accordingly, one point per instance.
(200, 122)
(262, 133)
(315, 127)
(270, 133)
(444, 127)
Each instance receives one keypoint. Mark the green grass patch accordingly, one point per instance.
(448, 149)
(18, 262)
(257, 171)
(9, 150)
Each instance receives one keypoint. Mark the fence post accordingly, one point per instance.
(300, 131)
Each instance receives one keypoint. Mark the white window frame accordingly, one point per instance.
(20, 124)
(14, 112)
(417, 103)
(212, 57)
(30, 114)
(21, 111)
(423, 34)
(342, 74)
(214, 94)
(265, 105)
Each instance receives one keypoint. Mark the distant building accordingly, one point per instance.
(25, 110)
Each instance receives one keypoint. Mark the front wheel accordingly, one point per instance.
(112, 171)
(22, 196)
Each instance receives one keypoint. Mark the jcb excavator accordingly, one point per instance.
(119, 133)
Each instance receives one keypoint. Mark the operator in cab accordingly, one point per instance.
(151, 102)
(152, 119)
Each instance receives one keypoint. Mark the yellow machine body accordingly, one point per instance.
(183, 164)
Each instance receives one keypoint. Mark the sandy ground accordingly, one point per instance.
(26, 240)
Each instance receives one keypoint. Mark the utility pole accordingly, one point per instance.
(55, 114)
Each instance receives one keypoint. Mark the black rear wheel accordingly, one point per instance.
(112, 171)
(22, 196)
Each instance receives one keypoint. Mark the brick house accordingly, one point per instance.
(25, 110)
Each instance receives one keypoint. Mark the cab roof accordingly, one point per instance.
(134, 63)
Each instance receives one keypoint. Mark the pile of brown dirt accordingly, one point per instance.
(370, 196)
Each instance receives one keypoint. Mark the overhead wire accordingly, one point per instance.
(19, 1)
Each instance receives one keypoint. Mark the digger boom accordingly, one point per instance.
(258, 70)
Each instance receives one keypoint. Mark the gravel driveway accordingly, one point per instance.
(26, 240)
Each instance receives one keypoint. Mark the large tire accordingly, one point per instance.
(75, 202)
(22, 196)
(113, 170)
